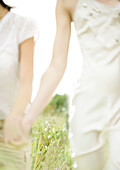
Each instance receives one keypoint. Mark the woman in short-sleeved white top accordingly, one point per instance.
(17, 35)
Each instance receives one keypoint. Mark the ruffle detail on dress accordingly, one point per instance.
(102, 20)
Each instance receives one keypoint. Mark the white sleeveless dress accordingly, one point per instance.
(95, 103)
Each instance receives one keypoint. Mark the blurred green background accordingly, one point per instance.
(50, 145)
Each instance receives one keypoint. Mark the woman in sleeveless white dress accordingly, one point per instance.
(94, 115)
(94, 119)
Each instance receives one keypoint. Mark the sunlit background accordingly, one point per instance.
(43, 11)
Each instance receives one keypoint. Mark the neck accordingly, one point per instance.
(3, 11)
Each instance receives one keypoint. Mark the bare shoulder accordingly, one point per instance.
(66, 7)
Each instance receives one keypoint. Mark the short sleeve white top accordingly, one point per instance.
(14, 29)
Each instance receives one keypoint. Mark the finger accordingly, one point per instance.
(14, 142)
(7, 139)
(18, 142)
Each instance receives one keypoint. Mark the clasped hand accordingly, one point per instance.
(16, 130)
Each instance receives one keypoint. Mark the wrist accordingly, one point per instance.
(29, 118)
(32, 114)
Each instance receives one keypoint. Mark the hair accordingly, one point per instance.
(5, 5)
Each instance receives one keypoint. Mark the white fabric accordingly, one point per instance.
(95, 103)
(106, 158)
(14, 29)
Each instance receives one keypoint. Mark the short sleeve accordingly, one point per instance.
(27, 28)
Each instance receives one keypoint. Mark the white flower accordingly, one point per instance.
(46, 122)
(49, 136)
(53, 130)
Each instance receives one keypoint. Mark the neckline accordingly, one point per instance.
(5, 17)
(106, 5)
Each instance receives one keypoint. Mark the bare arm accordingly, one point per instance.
(56, 69)
(12, 130)
(25, 77)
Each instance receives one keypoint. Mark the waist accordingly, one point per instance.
(106, 84)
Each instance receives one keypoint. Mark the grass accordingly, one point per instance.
(50, 145)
